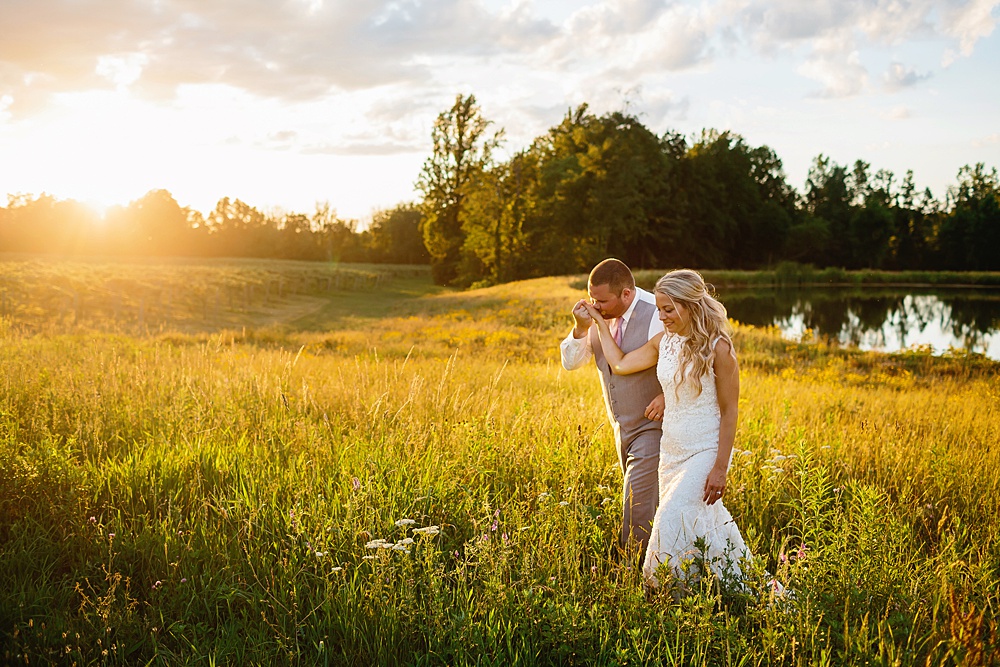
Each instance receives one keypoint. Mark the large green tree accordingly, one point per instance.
(462, 150)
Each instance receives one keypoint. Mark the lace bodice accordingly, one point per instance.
(690, 420)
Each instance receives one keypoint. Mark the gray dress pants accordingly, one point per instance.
(639, 459)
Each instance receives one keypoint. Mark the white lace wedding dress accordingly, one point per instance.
(687, 453)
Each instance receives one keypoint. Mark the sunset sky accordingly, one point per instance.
(288, 103)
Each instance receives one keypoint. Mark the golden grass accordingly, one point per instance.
(198, 494)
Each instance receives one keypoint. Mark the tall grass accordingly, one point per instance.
(218, 497)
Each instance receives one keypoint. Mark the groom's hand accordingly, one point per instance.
(582, 318)
(654, 410)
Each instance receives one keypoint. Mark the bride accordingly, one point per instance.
(696, 365)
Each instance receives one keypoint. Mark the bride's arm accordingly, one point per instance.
(624, 364)
(727, 388)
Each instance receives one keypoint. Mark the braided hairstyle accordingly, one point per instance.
(709, 322)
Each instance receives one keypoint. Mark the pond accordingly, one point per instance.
(877, 317)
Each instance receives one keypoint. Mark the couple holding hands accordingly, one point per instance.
(671, 386)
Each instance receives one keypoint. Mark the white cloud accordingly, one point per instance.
(897, 113)
(991, 140)
(969, 22)
(898, 76)
(836, 63)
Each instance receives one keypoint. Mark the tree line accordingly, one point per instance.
(591, 187)
(605, 185)
(156, 225)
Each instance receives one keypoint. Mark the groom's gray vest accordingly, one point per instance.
(626, 396)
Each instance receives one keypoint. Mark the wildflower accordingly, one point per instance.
(802, 551)
(783, 558)
(337, 569)
(368, 557)
(543, 495)
(157, 584)
(778, 458)
(375, 544)
(92, 519)
(320, 554)
(402, 523)
(111, 536)
(184, 580)
(355, 484)
(493, 528)
(429, 530)
(504, 538)
(746, 452)
(406, 541)
(563, 503)
(400, 547)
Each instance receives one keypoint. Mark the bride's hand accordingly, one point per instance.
(595, 314)
(715, 485)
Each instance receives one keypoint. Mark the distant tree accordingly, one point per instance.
(237, 229)
(828, 198)
(872, 224)
(739, 206)
(496, 241)
(395, 237)
(339, 239)
(604, 187)
(154, 224)
(969, 234)
(44, 224)
(462, 149)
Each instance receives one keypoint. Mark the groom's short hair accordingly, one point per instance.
(613, 273)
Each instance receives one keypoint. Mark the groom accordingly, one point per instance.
(634, 402)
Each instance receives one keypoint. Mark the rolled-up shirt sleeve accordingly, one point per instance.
(575, 352)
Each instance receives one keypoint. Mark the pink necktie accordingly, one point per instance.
(617, 333)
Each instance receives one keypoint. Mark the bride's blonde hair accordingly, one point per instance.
(709, 322)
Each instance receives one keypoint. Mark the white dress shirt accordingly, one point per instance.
(576, 352)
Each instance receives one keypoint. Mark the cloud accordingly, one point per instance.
(296, 50)
(969, 22)
(897, 113)
(991, 140)
(836, 64)
(311, 50)
(898, 77)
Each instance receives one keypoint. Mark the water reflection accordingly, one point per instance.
(878, 318)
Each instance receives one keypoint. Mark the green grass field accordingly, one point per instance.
(209, 484)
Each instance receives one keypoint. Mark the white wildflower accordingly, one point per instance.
(368, 557)
(338, 568)
(402, 523)
(406, 541)
(563, 503)
(429, 530)
(320, 554)
(375, 544)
